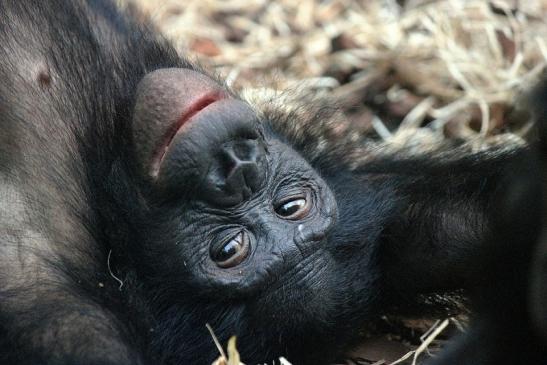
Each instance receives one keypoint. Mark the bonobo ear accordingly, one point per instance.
(444, 202)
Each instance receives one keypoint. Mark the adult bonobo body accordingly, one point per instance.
(141, 199)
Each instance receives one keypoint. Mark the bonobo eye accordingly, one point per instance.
(231, 252)
(293, 208)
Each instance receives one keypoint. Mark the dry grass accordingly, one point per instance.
(401, 70)
(454, 66)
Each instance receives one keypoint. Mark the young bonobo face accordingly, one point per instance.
(234, 207)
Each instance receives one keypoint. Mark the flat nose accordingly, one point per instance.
(236, 173)
(241, 161)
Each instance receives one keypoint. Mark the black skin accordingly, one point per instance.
(510, 293)
(238, 218)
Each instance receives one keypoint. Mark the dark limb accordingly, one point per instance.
(58, 328)
(444, 202)
(509, 294)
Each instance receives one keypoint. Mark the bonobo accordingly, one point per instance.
(141, 199)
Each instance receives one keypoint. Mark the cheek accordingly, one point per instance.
(172, 245)
(248, 278)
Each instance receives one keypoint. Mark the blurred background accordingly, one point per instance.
(452, 66)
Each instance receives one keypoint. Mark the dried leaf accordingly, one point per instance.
(233, 355)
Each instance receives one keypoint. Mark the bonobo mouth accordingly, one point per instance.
(193, 108)
(182, 123)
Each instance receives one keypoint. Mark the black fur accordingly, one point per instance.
(508, 293)
(88, 272)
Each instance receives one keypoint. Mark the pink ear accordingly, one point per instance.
(166, 100)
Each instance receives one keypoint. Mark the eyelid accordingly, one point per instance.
(288, 198)
(286, 194)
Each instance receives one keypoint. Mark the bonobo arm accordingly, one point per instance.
(443, 201)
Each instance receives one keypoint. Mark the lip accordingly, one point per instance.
(196, 107)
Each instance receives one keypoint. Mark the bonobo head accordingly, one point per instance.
(232, 207)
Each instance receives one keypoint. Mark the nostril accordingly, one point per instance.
(243, 151)
(244, 179)
(239, 154)
(228, 163)
(246, 150)
(236, 172)
(241, 160)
